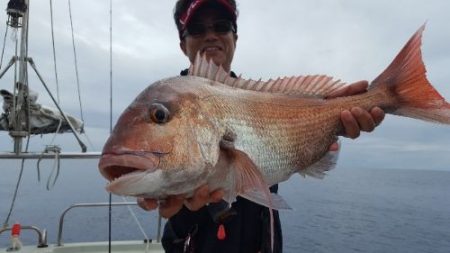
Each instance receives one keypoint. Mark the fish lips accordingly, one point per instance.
(114, 166)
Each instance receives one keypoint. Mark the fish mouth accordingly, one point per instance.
(114, 166)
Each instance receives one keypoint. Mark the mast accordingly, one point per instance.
(19, 118)
(19, 112)
(18, 18)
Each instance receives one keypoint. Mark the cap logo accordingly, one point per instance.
(189, 11)
(184, 18)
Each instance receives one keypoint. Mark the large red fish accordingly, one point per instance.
(244, 135)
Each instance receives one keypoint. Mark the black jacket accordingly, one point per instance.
(246, 224)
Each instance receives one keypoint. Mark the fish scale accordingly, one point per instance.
(282, 128)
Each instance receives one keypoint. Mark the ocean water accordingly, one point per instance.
(351, 210)
(367, 210)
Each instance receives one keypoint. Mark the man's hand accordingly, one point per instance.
(357, 119)
(173, 204)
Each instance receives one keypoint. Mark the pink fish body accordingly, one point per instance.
(244, 135)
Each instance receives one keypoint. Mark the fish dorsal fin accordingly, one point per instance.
(309, 85)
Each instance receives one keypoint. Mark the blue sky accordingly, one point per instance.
(351, 40)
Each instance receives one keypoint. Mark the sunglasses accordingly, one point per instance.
(198, 29)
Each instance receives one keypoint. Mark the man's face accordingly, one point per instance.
(214, 45)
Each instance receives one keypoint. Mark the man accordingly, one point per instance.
(209, 27)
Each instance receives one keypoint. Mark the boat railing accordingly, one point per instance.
(42, 234)
(43, 155)
(102, 204)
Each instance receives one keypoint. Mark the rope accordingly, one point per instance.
(16, 190)
(54, 50)
(54, 174)
(13, 201)
(75, 62)
(4, 45)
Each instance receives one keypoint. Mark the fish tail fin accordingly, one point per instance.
(405, 79)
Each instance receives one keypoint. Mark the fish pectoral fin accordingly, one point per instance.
(326, 163)
(246, 175)
(276, 202)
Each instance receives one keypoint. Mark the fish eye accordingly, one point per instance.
(159, 113)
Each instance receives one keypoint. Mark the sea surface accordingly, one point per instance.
(351, 210)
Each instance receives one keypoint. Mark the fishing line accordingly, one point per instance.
(110, 115)
(133, 214)
(110, 69)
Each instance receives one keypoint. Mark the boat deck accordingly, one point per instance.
(95, 247)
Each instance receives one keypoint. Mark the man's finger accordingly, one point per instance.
(334, 147)
(171, 206)
(216, 195)
(199, 199)
(147, 204)
(351, 127)
(364, 119)
(377, 115)
(349, 90)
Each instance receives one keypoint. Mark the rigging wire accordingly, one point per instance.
(54, 50)
(13, 110)
(75, 62)
(4, 45)
(56, 166)
(75, 58)
(75, 65)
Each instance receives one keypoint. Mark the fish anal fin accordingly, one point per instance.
(319, 168)
(277, 202)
